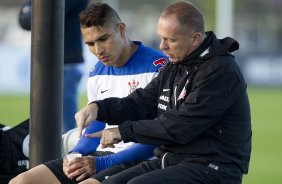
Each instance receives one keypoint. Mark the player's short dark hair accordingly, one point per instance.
(98, 14)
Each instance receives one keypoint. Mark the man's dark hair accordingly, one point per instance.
(98, 14)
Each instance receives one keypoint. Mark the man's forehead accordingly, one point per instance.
(97, 29)
(170, 23)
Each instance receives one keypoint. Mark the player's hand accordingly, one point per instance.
(80, 168)
(85, 116)
(109, 137)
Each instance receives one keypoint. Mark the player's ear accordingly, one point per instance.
(122, 28)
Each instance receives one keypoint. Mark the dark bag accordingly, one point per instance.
(14, 148)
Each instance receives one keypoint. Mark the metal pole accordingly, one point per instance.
(46, 80)
(224, 18)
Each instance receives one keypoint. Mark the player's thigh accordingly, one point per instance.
(132, 172)
(39, 174)
(106, 173)
(189, 174)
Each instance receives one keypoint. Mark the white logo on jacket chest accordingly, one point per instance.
(164, 98)
(163, 107)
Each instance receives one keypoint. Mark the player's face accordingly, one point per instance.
(176, 42)
(106, 43)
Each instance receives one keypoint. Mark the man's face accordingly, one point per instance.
(106, 43)
(176, 42)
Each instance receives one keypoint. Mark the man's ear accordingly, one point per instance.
(197, 39)
(122, 29)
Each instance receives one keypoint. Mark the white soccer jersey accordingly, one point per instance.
(108, 81)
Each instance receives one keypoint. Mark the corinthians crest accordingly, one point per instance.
(133, 86)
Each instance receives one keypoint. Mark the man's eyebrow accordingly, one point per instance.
(98, 39)
(103, 37)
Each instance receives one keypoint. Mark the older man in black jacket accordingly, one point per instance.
(197, 109)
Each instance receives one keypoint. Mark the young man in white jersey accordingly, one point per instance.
(124, 66)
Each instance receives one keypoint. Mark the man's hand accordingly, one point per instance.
(109, 137)
(80, 168)
(85, 116)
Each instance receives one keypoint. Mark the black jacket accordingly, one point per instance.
(198, 107)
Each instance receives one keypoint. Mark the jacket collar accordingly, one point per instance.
(188, 60)
(211, 47)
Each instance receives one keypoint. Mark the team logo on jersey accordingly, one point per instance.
(161, 61)
(133, 86)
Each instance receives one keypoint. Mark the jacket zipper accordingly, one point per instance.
(174, 94)
(163, 160)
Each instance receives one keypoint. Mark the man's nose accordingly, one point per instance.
(163, 45)
(99, 49)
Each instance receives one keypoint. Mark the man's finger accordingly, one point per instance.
(97, 134)
(74, 174)
(83, 176)
(107, 146)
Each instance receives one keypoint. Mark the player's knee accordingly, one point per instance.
(20, 179)
(90, 181)
(69, 140)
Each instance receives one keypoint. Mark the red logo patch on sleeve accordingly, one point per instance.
(161, 61)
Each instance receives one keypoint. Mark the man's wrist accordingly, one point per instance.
(117, 135)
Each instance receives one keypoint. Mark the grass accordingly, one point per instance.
(266, 159)
(15, 108)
